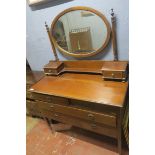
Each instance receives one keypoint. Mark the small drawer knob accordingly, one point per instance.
(51, 106)
(49, 70)
(113, 74)
(90, 116)
(56, 115)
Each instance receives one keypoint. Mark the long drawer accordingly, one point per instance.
(102, 123)
(71, 102)
(47, 98)
(95, 127)
(103, 118)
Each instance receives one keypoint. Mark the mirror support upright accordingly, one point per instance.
(114, 42)
(50, 38)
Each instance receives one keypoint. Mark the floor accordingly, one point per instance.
(40, 140)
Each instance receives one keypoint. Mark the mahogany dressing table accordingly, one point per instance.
(89, 94)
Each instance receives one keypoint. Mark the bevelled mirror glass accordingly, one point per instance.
(80, 32)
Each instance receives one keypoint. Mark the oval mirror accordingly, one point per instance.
(80, 32)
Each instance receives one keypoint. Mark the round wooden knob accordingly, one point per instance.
(113, 74)
(52, 106)
(56, 115)
(90, 116)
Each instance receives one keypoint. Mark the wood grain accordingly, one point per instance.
(83, 87)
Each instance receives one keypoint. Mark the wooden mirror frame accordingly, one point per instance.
(85, 9)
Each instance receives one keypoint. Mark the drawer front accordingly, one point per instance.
(42, 97)
(95, 127)
(106, 119)
(88, 115)
(47, 113)
(46, 106)
(33, 108)
(112, 74)
(49, 71)
(30, 104)
(47, 98)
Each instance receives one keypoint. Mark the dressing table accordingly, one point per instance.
(90, 94)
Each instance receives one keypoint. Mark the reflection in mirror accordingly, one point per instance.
(80, 31)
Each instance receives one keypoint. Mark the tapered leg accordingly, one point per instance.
(57, 127)
(50, 124)
(119, 129)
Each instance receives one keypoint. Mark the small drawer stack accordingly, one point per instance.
(117, 70)
(53, 68)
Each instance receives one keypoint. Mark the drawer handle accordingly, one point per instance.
(56, 115)
(51, 106)
(90, 116)
(113, 74)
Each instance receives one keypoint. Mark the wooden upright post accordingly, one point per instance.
(53, 48)
(114, 42)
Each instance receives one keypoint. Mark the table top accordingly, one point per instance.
(84, 87)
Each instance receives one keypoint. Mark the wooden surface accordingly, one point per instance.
(85, 66)
(115, 66)
(117, 70)
(83, 87)
(82, 99)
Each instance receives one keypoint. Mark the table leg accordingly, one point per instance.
(57, 127)
(50, 124)
(119, 128)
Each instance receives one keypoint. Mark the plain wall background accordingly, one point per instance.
(38, 48)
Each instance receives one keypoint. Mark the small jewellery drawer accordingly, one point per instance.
(90, 116)
(112, 74)
(53, 67)
(49, 71)
(95, 127)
